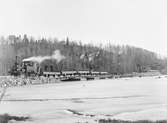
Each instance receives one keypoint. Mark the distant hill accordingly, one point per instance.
(78, 56)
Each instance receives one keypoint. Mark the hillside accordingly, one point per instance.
(78, 56)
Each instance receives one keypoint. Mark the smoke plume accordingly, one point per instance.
(56, 55)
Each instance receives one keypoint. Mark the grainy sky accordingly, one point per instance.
(141, 23)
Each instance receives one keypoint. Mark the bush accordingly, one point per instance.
(5, 118)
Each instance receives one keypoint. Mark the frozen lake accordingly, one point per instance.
(71, 102)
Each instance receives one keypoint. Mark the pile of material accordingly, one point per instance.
(8, 81)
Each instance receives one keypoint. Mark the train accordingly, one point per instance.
(30, 68)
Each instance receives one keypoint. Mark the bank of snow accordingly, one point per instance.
(126, 99)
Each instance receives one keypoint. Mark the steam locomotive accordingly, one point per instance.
(30, 68)
(26, 68)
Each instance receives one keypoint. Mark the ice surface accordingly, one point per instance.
(127, 98)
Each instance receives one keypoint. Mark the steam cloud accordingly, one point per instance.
(56, 55)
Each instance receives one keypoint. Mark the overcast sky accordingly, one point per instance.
(141, 23)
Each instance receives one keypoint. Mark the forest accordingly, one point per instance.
(115, 59)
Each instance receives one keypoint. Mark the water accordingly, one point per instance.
(127, 99)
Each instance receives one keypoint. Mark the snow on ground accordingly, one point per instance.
(127, 99)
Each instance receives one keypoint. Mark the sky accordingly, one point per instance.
(141, 23)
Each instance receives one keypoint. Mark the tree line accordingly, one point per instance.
(110, 58)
